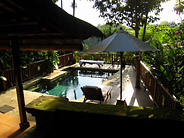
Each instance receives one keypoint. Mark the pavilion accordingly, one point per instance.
(38, 25)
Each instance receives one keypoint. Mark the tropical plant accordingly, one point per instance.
(52, 60)
(167, 64)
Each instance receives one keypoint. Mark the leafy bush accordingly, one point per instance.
(52, 60)
(167, 64)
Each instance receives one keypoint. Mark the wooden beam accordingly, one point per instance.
(17, 24)
(29, 35)
(45, 47)
(19, 88)
(37, 47)
(67, 47)
(44, 44)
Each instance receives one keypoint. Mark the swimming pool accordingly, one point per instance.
(70, 85)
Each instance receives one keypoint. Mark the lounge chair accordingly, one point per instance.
(96, 93)
(83, 62)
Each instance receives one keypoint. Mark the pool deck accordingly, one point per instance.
(107, 67)
(132, 95)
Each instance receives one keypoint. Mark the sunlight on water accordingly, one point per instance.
(70, 87)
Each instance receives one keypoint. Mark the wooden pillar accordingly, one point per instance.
(19, 88)
(137, 61)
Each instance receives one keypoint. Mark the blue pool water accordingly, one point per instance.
(70, 85)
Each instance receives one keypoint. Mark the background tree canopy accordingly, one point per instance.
(134, 13)
(179, 7)
(55, 1)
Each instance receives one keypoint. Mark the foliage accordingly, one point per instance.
(167, 64)
(5, 60)
(52, 60)
(26, 57)
(147, 35)
(54, 1)
(132, 12)
(108, 30)
(179, 7)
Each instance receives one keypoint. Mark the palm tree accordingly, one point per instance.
(179, 8)
(62, 4)
(74, 5)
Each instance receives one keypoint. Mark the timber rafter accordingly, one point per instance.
(44, 23)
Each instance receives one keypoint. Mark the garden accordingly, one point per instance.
(167, 64)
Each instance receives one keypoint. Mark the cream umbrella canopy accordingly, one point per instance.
(121, 41)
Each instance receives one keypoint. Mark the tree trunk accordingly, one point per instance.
(136, 32)
(137, 24)
(145, 24)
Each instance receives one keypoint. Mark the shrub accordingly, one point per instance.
(167, 64)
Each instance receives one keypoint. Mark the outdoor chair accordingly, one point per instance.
(83, 62)
(96, 93)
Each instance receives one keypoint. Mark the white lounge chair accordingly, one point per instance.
(83, 62)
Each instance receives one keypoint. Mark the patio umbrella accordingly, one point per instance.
(121, 41)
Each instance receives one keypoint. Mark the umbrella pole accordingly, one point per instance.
(121, 69)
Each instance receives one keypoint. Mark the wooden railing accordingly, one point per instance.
(66, 59)
(160, 95)
(107, 57)
(32, 70)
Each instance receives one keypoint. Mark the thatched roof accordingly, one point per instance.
(41, 25)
